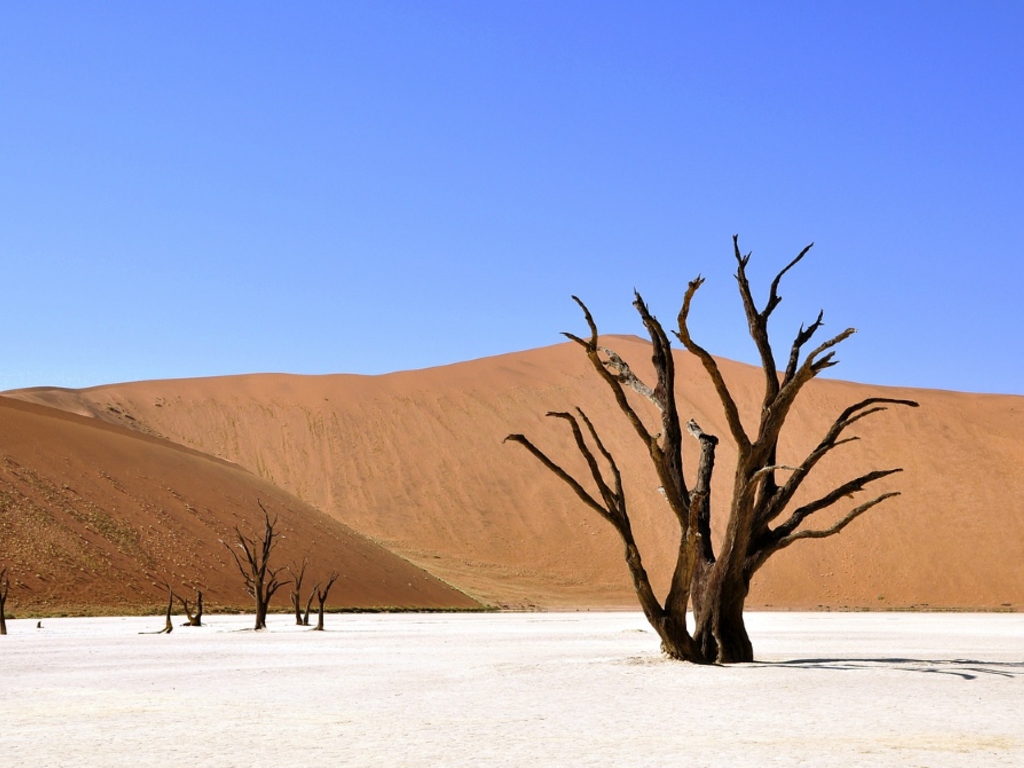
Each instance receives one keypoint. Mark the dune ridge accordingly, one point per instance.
(415, 461)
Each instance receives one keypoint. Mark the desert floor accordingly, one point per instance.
(559, 689)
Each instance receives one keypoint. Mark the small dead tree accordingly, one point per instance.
(298, 572)
(5, 588)
(714, 584)
(168, 625)
(195, 619)
(309, 606)
(321, 597)
(261, 581)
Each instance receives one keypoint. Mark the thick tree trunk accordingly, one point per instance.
(677, 643)
(261, 613)
(721, 634)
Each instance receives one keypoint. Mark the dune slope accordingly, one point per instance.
(94, 517)
(416, 461)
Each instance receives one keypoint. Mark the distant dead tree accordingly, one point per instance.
(261, 581)
(321, 597)
(760, 521)
(309, 606)
(195, 618)
(168, 625)
(5, 588)
(298, 572)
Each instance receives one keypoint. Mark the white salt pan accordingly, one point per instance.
(565, 689)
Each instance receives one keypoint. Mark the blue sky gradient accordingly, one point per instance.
(196, 189)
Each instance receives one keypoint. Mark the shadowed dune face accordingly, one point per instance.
(415, 460)
(93, 516)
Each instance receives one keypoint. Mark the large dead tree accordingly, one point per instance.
(5, 588)
(761, 518)
(261, 581)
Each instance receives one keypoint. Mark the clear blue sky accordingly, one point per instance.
(193, 189)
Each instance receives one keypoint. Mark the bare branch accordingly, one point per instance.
(802, 337)
(770, 469)
(810, 368)
(591, 348)
(845, 490)
(564, 476)
(773, 295)
(668, 459)
(624, 374)
(611, 500)
(700, 499)
(671, 456)
(757, 322)
(618, 493)
(777, 503)
(732, 413)
(592, 344)
(840, 525)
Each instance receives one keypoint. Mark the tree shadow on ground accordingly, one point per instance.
(966, 669)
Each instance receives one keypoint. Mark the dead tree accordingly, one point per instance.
(321, 597)
(194, 619)
(261, 581)
(168, 625)
(298, 572)
(309, 605)
(760, 520)
(5, 588)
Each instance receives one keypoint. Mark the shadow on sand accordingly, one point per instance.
(966, 669)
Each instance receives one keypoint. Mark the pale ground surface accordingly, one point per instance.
(558, 689)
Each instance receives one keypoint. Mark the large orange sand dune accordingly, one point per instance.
(93, 517)
(416, 461)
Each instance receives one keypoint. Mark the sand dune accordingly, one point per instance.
(93, 517)
(415, 460)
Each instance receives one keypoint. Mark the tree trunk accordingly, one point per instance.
(5, 586)
(721, 633)
(677, 643)
(261, 612)
(309, 605)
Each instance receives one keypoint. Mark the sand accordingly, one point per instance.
(558, 689)
(95, 518)
(415, 461)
